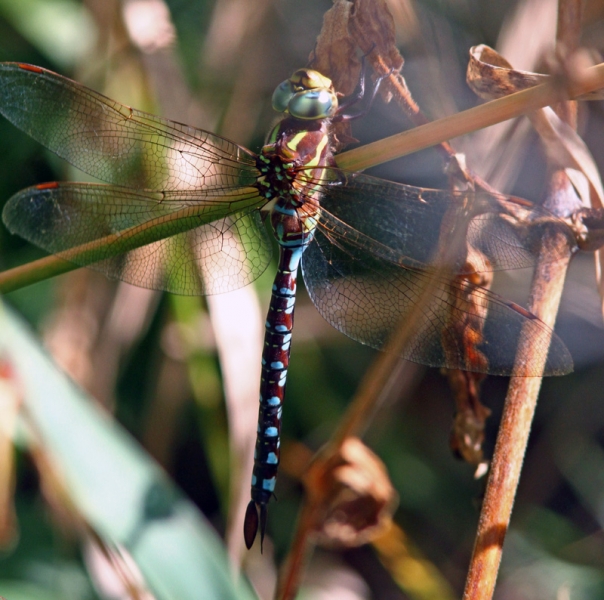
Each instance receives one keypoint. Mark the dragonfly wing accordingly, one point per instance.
(114, 142)
(368, 298)
(179, 242)
(407, 223)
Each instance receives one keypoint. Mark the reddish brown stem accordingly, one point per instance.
(513, 436)
(521, 400)
(293, 568)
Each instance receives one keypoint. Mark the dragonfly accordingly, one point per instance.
(182, 210)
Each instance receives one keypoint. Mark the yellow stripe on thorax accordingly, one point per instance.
(293, 143)
(292, 146)
(314, 161)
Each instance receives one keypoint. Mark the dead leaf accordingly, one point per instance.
(335, 52)
(467, 433)
(353, 493)
(491, 76)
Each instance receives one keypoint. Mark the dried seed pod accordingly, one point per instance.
(353, 494)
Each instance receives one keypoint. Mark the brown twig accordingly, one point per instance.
(299, 552)
(548, 282)
(513, 435)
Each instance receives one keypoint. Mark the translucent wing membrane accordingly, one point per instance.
(116, 143)
(378, 247)
(367, 298)
(182, 242)
(405, 224)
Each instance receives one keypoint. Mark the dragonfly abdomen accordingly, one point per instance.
(293, 236)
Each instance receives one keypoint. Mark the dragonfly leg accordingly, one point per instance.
(359, 91)
(345, 104)
(263, 515)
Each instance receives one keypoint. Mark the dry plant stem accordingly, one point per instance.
(513, 434)
(469, 120)
(299, 553)
(568, 35)
(34, 272)
(521, 400)
(373, 385)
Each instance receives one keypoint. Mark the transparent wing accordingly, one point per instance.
(116, 143)
(377, 248)
(405, 224)
(182, 242)
(367, 298)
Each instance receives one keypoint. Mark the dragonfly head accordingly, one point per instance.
(306, 95)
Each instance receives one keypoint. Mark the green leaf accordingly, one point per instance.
(113, 483)
(63, 30)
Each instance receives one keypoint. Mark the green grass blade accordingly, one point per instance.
(113, 483)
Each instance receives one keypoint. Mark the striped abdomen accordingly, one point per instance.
(293, 234)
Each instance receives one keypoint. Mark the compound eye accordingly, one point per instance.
(313, 104)
(282, 95)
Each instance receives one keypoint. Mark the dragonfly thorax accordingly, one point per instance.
(292, 162)
(277, 176)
